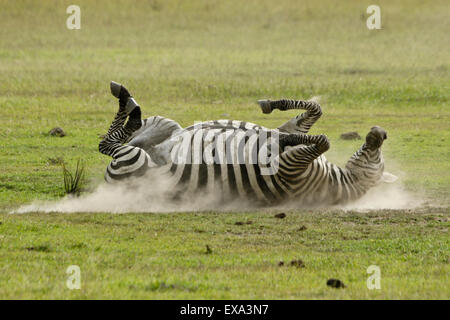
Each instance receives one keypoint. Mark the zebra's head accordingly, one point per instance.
(375, 138)
(374, 141)
(367, 164)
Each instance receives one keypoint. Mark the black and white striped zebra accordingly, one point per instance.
(240, 159)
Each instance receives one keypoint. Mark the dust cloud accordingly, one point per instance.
(385, 196)
(147, 195)
(143, 195)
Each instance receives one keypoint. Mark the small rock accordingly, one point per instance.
(297, 263)
(240, 223)
(302, 228)
(57, 132)
(41, 248)
(225, 115)
(335, 283)
(281, 215)
(353, 135)
(56, 161)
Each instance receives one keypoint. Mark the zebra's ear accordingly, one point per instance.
(388, 177)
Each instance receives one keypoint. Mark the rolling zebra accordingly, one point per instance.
(238, 159)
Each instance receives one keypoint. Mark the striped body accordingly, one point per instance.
(221, 160)
(239, 160)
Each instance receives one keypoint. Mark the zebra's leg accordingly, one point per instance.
(112, 143)
(126, 105)
(128, 161)
(305, 149)
(299, 124)
(118, 133)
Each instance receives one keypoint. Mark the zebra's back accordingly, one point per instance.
(226, 157)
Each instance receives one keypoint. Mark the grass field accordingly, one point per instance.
(199, 60)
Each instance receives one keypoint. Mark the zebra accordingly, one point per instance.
(223, 156)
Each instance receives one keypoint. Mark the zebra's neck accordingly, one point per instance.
(366, 166)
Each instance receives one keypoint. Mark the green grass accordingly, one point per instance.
(196, 60)
(161, 256)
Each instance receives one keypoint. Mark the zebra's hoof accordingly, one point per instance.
(265, 106)
(115, 89)
(131, 105)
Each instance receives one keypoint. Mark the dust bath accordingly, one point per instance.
(142, 197)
